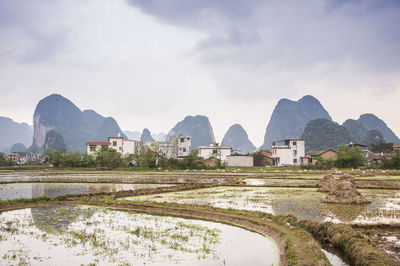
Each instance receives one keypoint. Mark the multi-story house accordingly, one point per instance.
(215, 151)
(121, 145)
(289, 152)
(176, 147)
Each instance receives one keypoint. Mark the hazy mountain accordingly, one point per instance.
(134, 135)
(289, 119)
(57, 113)
(237, 138)
(12, 132)
(370, 121)
(54, 141)
(356, 129)
(198, 127)
(372, 136)
(159, 136)
(18, 147)
(321, 134)
(146, 136)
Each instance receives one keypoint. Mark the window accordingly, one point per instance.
(182, 139)
(92, 148)
(184, 149)
(294, 161)
(215, 151)
(294, 152)
(114, 143)
(294, 143)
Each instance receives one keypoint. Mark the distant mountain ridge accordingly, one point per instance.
(290, 118)
(59, 114)
(146, 136)
(322, 134)
(12, 132)
(371, 121)
(198, 127)
(237, 138)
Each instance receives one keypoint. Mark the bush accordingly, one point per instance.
(320, 164)
(349, 157)
(393, 163)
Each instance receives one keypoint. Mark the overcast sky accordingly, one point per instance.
(149, 63)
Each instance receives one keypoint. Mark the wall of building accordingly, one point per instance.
(207, 152)
(240, 161)
(289, 154)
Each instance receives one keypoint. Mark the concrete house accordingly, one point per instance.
(121, 145)
(288, 152)
(177, 147)
(214, 150)
(311, 156)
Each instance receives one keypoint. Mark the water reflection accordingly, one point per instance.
(67, 235)
(33, 190)
(305, 203)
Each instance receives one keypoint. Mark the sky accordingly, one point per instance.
(151, 63)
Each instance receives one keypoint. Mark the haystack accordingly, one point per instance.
(345, 192)
(348, 178)
(327, 183)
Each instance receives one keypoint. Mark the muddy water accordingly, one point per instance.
(305, 203)
(65, 235)
(334, 259)
(32, 190)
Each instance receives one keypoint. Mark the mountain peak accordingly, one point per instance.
(198, 127)
(237, 138)
(289, 118)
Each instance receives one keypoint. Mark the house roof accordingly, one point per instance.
(319, 152)
(267, 154)
(97, 143)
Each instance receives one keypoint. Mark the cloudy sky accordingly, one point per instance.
(149, 63)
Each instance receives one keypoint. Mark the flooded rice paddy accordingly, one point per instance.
(67, 235)
(305, 203)
(34, 190)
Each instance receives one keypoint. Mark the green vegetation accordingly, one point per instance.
(320, 164)
(321, 134)
(393, 163)
(4, 162)
(381, 146)
(349, 157)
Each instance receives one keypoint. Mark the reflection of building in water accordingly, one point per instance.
(58, 218)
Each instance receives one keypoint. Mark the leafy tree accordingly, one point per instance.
(146, 157)
(381, 146)
(109, 158)
(348, 157)
(393, 163)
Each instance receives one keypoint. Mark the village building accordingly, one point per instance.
(176, 147)
(289, 152)
(13, 157)
(312, 156)
(214, 150)
(121, 145)
(396, 148)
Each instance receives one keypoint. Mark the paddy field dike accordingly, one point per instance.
(254, 216)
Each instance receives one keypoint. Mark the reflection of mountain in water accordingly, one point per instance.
(55, 190)
(57, 218)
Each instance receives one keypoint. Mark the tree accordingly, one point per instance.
(381, 146)
(348, 157)
(109, 158)
(393, 163)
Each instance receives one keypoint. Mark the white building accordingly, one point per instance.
(177, 147)
(121, 145)
(214, 150)
(240, 161)
(289, 153)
